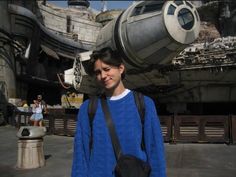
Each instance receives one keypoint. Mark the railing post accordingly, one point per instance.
(18, 120)
(65, 119)
(176, 128)
(228, 127)
(201, 129)
(172, 129)
(233, 129)
(13, 118)
(51, 123)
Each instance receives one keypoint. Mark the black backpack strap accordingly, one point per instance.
(92, 108)
(139, 100)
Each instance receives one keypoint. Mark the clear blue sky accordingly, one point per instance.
(98, 5)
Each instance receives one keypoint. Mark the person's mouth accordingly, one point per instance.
(107, 81)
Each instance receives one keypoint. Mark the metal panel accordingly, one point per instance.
(50, 52)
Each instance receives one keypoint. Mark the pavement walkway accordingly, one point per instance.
(183, 160)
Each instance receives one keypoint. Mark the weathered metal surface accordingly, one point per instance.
(221, 53)
(142, 33)
(30, 154)
(107, 16)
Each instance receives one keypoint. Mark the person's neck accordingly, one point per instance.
(117, 91)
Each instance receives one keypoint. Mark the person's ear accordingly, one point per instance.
(122, 68)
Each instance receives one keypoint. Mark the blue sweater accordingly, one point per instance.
(100, 161)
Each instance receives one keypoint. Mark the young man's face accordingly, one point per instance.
(108, 76)
(39, 97)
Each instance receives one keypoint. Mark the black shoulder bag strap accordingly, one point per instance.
(111, 128)
(139, 101)
(92, 108)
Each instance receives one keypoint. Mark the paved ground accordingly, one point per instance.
(183, 160)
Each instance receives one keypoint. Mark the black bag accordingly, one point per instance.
(131, 166)
(127, 165)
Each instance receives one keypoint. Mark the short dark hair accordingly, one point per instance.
(39, 96)
(106, 55)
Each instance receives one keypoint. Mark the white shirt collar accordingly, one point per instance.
(122, 95)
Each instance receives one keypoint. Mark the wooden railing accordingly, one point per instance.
(201, 128)
(175, 128)
(167, 128)
(57, 121)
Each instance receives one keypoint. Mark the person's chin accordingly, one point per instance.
(108, 86)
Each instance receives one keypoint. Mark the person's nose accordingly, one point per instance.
(103, 74)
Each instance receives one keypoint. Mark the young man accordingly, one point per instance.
(99, 160)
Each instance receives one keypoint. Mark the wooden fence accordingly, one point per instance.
(175, 128)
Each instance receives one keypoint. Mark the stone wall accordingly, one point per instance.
(81, 25)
